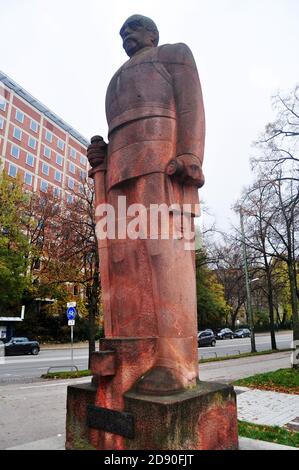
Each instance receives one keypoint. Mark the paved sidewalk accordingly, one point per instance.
(268, 408)
(57, 443)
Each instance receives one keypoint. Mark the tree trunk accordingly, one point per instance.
(271, 312)
(295, 318)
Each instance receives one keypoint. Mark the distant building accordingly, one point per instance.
(37, 145)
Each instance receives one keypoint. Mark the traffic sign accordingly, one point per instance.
(71, 313)
(71, 322)
(71, 304)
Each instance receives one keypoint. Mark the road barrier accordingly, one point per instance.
(60, 367)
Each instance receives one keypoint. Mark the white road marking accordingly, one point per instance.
(55, 384)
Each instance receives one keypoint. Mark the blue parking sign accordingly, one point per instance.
(71, 313)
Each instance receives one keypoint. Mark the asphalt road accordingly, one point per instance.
(33, 415)
(29, 368)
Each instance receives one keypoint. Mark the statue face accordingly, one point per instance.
(135, 37)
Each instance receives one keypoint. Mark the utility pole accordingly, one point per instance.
(247, 282)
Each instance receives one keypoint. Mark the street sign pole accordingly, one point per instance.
(72, 351)
(71, 314)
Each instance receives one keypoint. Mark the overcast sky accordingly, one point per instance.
(64, 52)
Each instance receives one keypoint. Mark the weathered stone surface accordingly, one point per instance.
(78, 434)
(202, 418)
(103, 363)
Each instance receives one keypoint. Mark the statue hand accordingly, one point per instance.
(96, 151)
(187, 169)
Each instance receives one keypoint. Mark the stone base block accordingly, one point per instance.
(78, 435)
(202, 418)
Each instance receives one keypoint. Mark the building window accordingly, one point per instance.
(2, 103)
(59, 159)
(33, 125)
(81, 188)
(58, 176)
(82, 160)
(30, 160)
(44, 186)
(49, 136)
(71, 183)
(17, 133)
(15, 151)
(19, 116)
(57, 192)
(72, 168)
(69, 199)
(82, 175)
(31, 142)
(45, 169)
(73, 153)
(1, 122)
(28, 179)
(47, 152)
(60, 144)
(12, 170)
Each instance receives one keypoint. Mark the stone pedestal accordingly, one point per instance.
(110, 414)
(202, 418)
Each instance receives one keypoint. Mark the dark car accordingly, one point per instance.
(21, 345)
(225, 333)
(242, 333)
(206, 338)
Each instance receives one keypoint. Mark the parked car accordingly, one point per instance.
(224, 333)
(242, 333)
(21, 345)
(206, 338)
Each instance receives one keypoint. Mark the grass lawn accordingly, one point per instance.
(281, 380)
(74, 374)
(268, 433)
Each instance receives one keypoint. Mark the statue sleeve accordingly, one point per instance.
(179, 62)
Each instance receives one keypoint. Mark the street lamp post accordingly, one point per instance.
(247, 282)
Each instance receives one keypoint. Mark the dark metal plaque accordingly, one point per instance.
(116, 422)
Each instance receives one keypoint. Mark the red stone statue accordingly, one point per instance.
(145, 391)
(156, 122)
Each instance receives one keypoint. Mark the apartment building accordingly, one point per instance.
(37, 145)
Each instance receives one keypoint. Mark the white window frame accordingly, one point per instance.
(82, 175)
(22, 116)
(60, 144)
(41, 186)
(83, 160)
(71, 197)
(48, 133)
(45, 166)
(60, 156)
(16, 147)
(72, 181)
(21, 133)
(1, 122)
(47, 149)
(31, 178)
(33, 157)
(71, 153)
(36, 123)
(72, 168)
(57, 172)
(3, 103)
(29, 138)
(11, 165)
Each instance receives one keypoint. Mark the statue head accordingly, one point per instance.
(137, 32)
